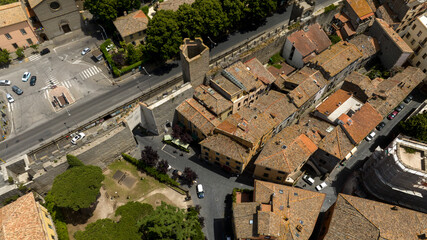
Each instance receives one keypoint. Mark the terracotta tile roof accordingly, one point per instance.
(367, 45)
(393, 35)
(361, 123)
(212, 99)
(366, 85)
(348, 29)
(300, 76)
(131, 23)
(34, 3)
(21, 220)
(361, 8)
(342, 17)
(395, 89)
(296, 208)
(226, 86)
(312, 40)
(243, 214)
(336, 59)
(268, 223)
(333, 102)
(11, 14)
(285, 69)
(252, 123)
(226, 146)
(240, 72)
(336, 143)
(257, 69)
(374, 220)
(173, 4)
(198, 115)
(372, 4)
(288, 149)
(306, 90)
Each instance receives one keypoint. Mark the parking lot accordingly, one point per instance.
(63, 66)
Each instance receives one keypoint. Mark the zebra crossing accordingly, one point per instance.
(34, 57)
(51, 80)
(92, 71)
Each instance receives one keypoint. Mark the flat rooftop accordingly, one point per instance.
(415, 160)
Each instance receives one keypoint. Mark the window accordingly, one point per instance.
(423, 42)
(53, 237)
(419, 33)
(238, 162)
(417, 50)
(23, 31)
(50, 226)
(413, 41)
(265, 175)
(30, 41)
(228, 158)
(238, 167)
(279, 178)
(282, 172)
(217, 153)
(7, 35)
(131, 36)
(407, 35)
(413, 27)
(424, 56)
(206, 153)
(15, 45)
(140, 34)
(54, 5)
(217, 158)
(425, 70)
(227, 163)
(268, 169)
(418, 63)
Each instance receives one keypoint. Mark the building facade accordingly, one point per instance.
(398, 173)
(194, 60)
(360, 14)
(132, 26)
(56, 17)
(416, 38)
(15, 29)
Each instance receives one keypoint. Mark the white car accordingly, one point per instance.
(4, 83)
(321, 186)
(79, 136)
(26, 76)
(10, 98)
(370, 136)
(200, 192)
(308, 179)
(86, 50)
(109, 47)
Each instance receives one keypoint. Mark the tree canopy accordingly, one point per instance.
(126, 228)
(189, 21)
(109, 10)
(168, 222)
(163, 36)
(73, 161)
(235, 12)
(77, 188)
(416, 127)
(215, 20)
(256, 11)
(4, 57)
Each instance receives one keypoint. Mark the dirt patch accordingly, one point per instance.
(169, 196)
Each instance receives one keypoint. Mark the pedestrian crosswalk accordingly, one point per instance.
(51, 80)
(67, 83)
(90, 72)
(34, 57)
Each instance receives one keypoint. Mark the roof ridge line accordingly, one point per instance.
(342, 195)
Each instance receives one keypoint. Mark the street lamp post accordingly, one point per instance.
(146, 72)
(212, 42)
(104, 32)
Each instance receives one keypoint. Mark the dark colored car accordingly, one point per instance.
(392, 115)
(380, 126)
(33, 81)
(408, 99)
(17, 90)
(399, 108)
(44, 51)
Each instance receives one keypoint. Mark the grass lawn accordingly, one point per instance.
(140, 188)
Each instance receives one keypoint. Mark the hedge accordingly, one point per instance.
(116, 71)
(161, 177)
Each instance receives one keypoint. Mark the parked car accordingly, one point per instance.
(399, 108)
(321, 186)
(86, 50)
(17, 90)
(380, 126)
(33, 81)
(79, 136)
(370, 136)
(408, 99)
(392, 115)
(200, 192)
(308, 179)
(9, 98)
(44, 51)
(4, 83)
(109, 47)
(26, 76)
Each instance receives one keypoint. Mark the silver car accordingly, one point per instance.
(4, 83)
(9, 98)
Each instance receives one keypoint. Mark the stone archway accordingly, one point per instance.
(65, 26)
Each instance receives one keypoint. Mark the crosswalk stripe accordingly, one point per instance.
(11, 107)
(90, 71)
(45, 94)
(96, 69)
(84, 74)
(8, 106)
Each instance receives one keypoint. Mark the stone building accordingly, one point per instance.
(359, 13)
(194, 61)
(15, 29)
(398, 173)
(55, 17)
(132, 26)
(405, 12)
(416, 38)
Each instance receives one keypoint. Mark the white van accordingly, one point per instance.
(199, 190)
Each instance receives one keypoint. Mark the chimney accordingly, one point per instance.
(125, 13)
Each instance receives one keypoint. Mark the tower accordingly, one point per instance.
(194, 61)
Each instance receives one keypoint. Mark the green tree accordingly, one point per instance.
(20, 53)
(73, 161)
(126, 228)
(416, 127)
(168, 222)
(104, 10)
(189, 21)
(77, 188)
(163, 36)
(4, 57)
(235, 12)
(215, 20)
(4, 2)
(132, 55)
(256, 11)
(126, 5)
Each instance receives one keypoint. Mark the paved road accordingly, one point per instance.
(216, 184)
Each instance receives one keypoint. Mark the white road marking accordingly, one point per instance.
(34, 57)
(8, 106)
(45, 94)
(92, 71)
(11, 107)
